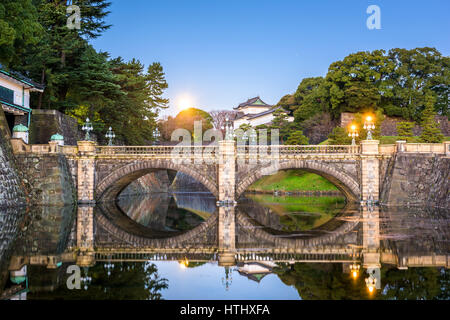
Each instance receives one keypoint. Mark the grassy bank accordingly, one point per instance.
(301, 213)
(293, 180)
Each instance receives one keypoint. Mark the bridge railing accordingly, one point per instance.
(160, 151)
(292, 150)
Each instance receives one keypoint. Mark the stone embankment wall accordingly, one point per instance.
(12, 192)
(185, 183)
(45, 123)
(153, 182)
(50, 176)
(417, 180)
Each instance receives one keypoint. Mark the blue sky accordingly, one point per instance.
(217, 54)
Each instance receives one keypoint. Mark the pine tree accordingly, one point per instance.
(431, 132)
(157, 84)
(297, 138)
(404, 130)
(339, 136)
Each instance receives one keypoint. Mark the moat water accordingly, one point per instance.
(169, 246)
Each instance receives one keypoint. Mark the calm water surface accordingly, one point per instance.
(178, 246)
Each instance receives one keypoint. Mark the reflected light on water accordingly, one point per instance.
(184, 263)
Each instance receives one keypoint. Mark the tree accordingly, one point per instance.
(297, 138)
(19, 28)
(405, 130)
(186, 120)
(431, 132)
(280, 122)
(58, 56)
(157, 84)
(339, 136)
(219, 117)
(416, 72)
(358, 82)
(312, 97)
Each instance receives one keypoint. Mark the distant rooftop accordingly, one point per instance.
(253, 102)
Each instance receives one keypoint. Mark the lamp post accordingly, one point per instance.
(353, 133)
(110, 135)
(109, 266)
(371, 283)
(88, 128)
(228, 129)
(86, 280)
(354, 270)
(156, 136)
(228, 279)
(369, 126)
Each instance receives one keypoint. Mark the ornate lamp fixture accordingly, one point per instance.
(229, 135)
(109, 266)
(353, 133)
(110, 135)
(86, 280)
(88, 128)
(354, 270)
(184, 263)
(369, 126)
(371, 283)
(228, 279)
(156, 135)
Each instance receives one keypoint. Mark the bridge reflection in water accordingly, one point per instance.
(256, 238)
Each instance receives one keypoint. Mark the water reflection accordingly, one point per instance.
(184, 247)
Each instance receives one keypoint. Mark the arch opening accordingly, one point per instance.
(341, 180)
(117, 181)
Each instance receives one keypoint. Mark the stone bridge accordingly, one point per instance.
(226, 170)
(361, 172)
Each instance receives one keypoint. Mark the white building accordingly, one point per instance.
(255, 112)
(15, 97)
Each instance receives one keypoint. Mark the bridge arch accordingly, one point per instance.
(343, 181)
(326, 234)
(112, 220)
(111, 186)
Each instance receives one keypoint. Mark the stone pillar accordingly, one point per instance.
(401, 145)
(20, 132)
(227, 236)
(85, 236)
(447, 148)
(370, 171)
(227, 171)
(86, 171)
(371, 242)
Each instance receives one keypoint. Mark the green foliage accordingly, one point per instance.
(431, 132)
(297, 138)
(405, 130)
(395, 83)
(127, 281)
(186, 120)
(293, 180)
(19, 28)
(79, 80)
(357, 82)
(416, 72)
(339, 136)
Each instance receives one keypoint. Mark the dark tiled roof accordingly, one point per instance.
(250, 102)
(20, 77)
